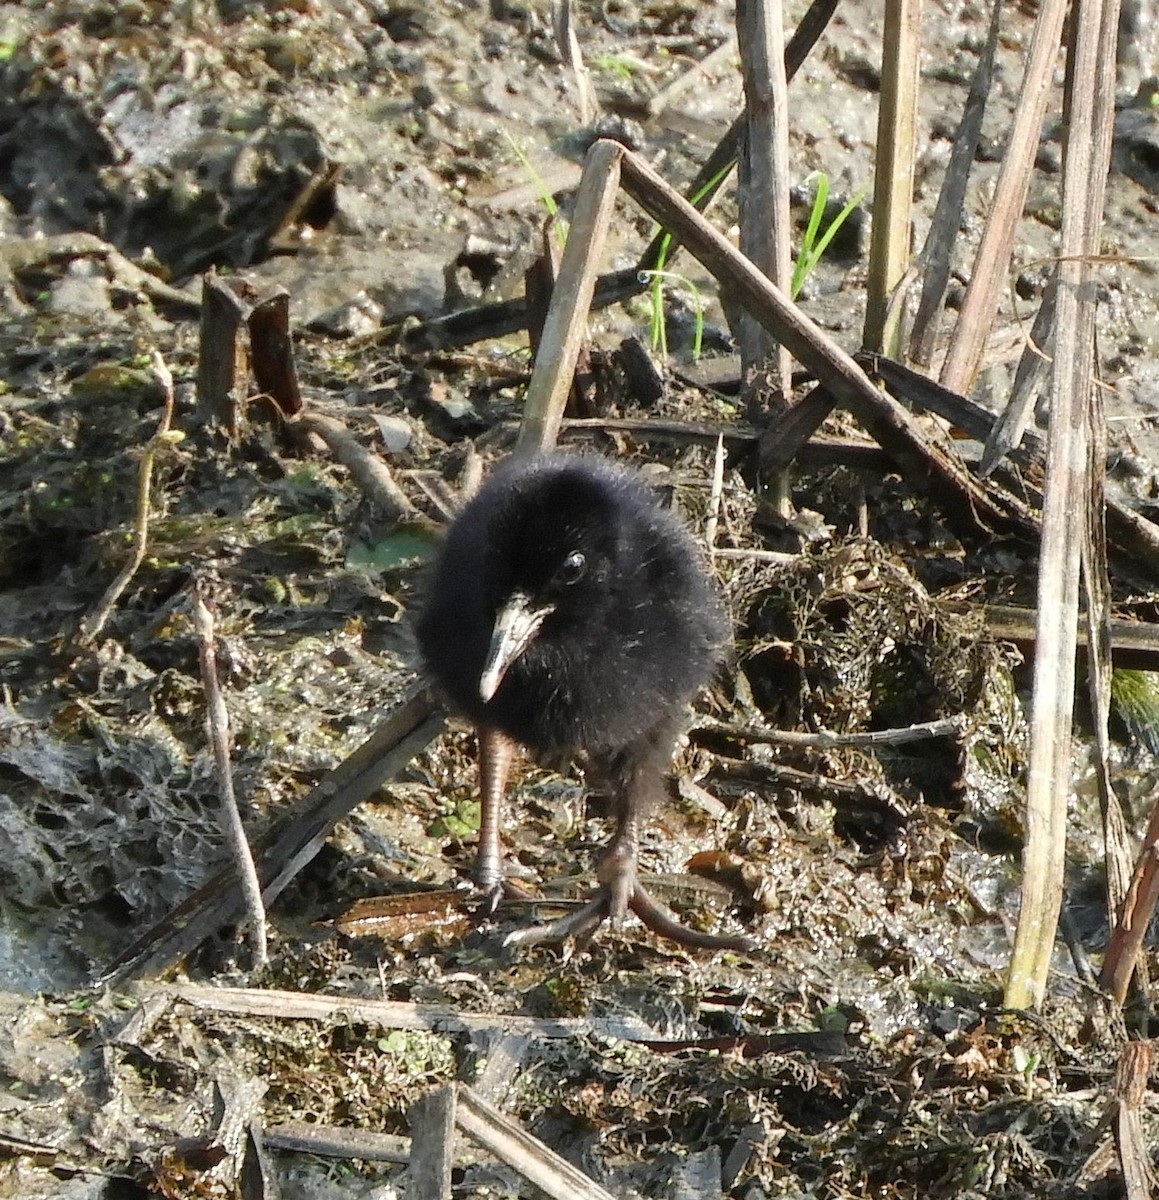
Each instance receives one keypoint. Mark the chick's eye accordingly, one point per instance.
(573, 568)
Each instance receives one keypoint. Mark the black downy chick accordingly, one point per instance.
(569, 613)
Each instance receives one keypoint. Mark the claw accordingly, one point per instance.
(581, 925)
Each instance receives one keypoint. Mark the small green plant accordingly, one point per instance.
(622, 66)
(657, 277)
(657, 325)
(1135, 701)
(545, 196)
(816, 240)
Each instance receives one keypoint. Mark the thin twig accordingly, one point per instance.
(369, 472)
(714, 496)
(569, 49)
(217, 725)
(286, 849)
(92, 625)
(823, 740)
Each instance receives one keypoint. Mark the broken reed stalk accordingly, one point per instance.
(763, 192)
(942, 236)
(272, 351)
(223, 312)
(1066, 493)
(92, 625)
(1116, 835)
(991, 262)
(893, 176)
(565, 325)
(217, 727)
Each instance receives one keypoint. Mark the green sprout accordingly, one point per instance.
(657, 276)
(622, 66)
(545, 196)
(816, 240)
(657, 326)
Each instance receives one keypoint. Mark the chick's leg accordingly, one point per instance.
(638, 787)
(495, 754)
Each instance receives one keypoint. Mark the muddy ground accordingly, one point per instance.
(386, 164)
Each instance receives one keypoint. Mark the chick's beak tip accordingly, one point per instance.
(516, 625)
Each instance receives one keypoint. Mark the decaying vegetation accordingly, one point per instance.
(217, 491)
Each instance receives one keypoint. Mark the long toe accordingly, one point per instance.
(663, 921)
(579, 925)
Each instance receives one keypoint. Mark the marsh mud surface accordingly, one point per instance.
(386, 164)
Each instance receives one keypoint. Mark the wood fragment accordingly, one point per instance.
(334, 1141)
(991, 262)
(283, 1005)
(1134, 540)
(272, 352)
(256, 1178)
(432, 1142)
(512, 1144)
(565, 325)
(857, 454)
(1134, 644)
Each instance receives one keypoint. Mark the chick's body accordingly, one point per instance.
(625, 645)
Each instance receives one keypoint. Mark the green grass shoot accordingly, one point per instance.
(545, 196)
(816, 240)
(657, 277)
